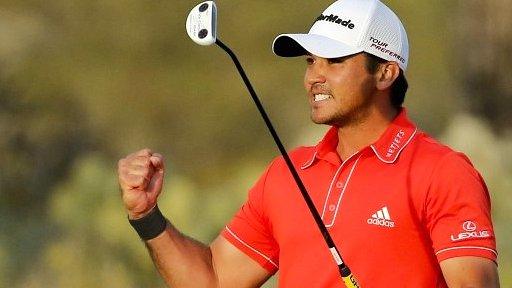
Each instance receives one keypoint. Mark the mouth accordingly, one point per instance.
(321, 97)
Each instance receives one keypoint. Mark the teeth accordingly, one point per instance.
(321, 97)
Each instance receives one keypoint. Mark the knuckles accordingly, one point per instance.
(146, 151)
(136, 169)
(132, 162)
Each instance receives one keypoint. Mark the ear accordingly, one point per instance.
(386, 75)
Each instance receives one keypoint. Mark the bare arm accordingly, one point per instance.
(470, 272)
(185, 262)
(234, 268)
(181, 260)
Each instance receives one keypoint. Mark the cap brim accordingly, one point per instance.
(292, 45)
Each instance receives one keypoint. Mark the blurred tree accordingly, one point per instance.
(39, 142)
(483, 39)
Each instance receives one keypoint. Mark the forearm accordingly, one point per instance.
(181, 260)
(470, 272)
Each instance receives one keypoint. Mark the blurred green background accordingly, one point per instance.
(83, 83)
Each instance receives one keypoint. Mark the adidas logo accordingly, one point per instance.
(381, 218)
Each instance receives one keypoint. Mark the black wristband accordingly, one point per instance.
(151, 225)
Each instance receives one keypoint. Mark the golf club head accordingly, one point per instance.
(202, 23)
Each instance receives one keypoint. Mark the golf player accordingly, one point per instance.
(403, 209)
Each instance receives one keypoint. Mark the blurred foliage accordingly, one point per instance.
(482, 47)
(82, 83)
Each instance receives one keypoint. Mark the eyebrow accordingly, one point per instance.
(339, 59)
(342, 58)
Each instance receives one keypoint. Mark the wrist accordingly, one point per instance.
(138, 215)
(150, 225)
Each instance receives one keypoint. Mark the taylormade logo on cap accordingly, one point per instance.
(348, 27)
(337, 20)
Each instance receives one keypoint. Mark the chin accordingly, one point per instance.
(322, 120)
(331, 121)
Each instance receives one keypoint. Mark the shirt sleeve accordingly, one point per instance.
(458, 211)
(250, 230)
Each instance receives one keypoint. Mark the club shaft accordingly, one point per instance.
(343, 269)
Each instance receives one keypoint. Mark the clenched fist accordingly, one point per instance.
(141, 176)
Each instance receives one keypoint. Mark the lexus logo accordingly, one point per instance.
(469, 226)
(470, 232)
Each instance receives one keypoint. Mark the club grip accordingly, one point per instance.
(350, 281)
(347, 277)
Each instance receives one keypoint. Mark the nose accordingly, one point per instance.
(315, 74)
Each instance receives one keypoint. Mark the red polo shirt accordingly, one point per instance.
(394, 209)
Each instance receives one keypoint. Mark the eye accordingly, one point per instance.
(309, 60)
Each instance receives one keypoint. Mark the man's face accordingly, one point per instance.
(340, 91)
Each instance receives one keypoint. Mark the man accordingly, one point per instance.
(404, 210)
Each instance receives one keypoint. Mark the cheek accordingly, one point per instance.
(339, 83)
(350, 87)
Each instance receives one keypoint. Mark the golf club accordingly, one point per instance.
(202, 29)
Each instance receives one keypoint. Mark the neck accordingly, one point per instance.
(352, 138)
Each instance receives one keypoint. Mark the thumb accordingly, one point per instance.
(157, 161)
(155, 184)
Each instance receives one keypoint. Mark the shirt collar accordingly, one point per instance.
(326, 145)
(387, 148)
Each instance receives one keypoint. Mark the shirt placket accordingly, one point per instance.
(337, 189)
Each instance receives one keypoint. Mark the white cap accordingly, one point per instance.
(348, 27)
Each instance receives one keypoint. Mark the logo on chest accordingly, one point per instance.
(381, 218)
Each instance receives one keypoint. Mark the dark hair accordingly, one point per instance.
(398, 88)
